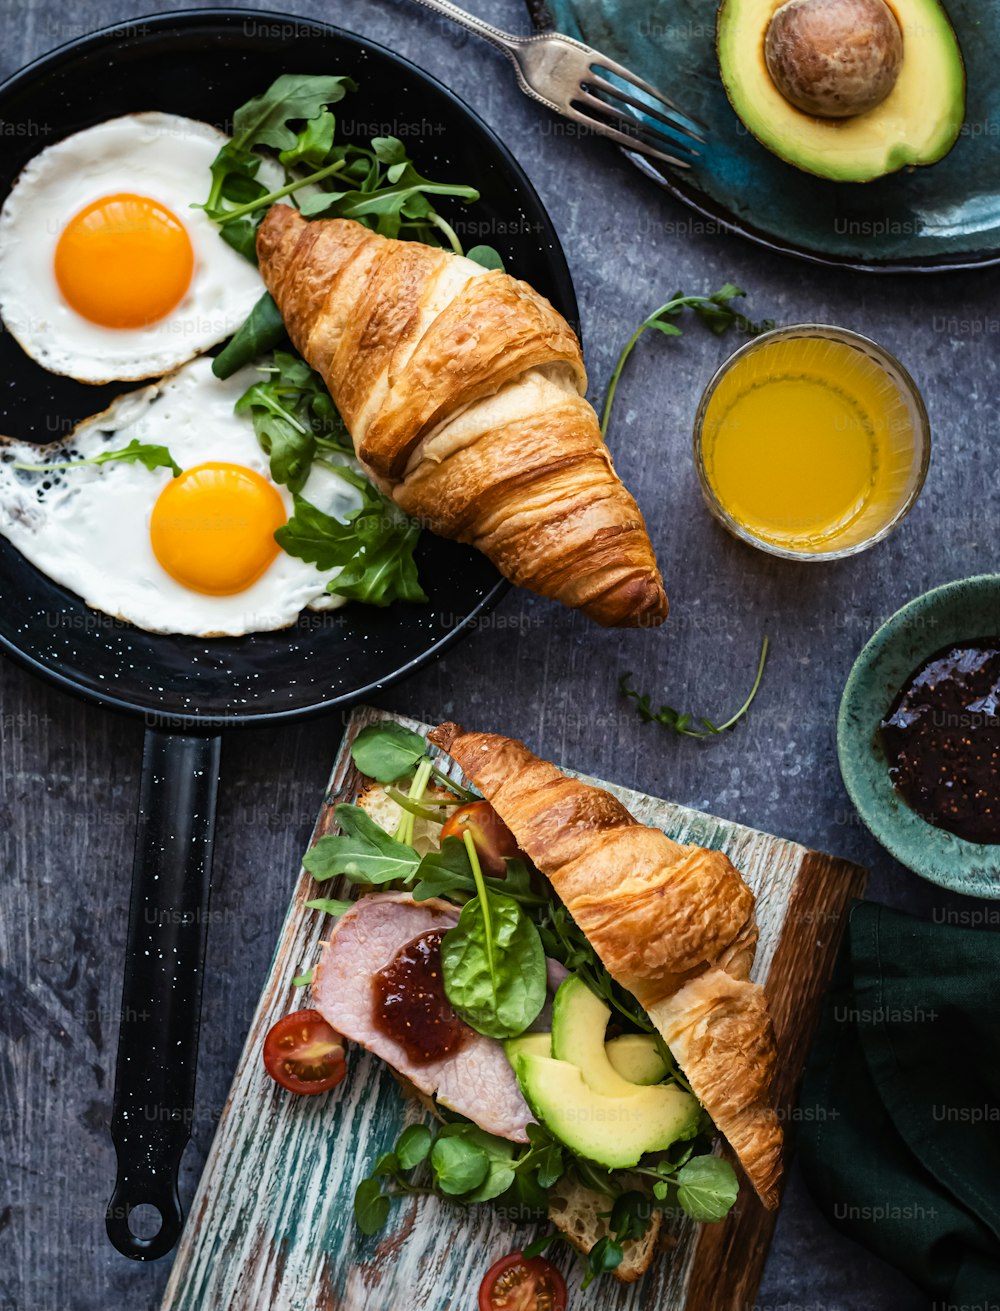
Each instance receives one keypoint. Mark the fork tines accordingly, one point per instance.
(630, 131)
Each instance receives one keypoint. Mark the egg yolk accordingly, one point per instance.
(213, 527)
(124, 261)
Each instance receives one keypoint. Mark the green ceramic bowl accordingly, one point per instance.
(954, 612)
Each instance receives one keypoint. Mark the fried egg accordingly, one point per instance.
(190, 554)
(106, 272)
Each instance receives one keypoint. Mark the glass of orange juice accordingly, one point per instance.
(811, 442)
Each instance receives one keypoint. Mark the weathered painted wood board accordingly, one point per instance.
(271, 1226)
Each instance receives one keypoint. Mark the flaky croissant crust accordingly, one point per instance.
(673, 924)
(463, 389)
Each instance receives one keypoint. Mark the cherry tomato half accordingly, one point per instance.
(304, 1054)
(492, 837)
(516, 1283)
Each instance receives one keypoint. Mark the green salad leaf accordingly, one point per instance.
(492, 961)
(373, 547)
(371, 1206)
(363, 852)
(260, 333)
(707, 1188)
(136, 452)
(414, 1146)
(386, 751)
(459, 1164)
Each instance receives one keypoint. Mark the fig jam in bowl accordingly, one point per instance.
(918, 735)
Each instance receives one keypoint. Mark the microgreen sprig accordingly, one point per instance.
(679, 723)
(715, 311)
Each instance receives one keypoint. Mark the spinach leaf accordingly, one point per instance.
(386, 751)
(136, 452)
(262, 332)
(493, 966)
(363, 852)
(707, 1188)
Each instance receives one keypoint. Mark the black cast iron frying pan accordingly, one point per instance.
(203, 64)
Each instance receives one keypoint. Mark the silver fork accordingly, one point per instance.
(564, 74)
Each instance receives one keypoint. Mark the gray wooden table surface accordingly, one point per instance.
(69, 772)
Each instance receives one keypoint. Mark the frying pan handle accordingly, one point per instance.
(161, 996)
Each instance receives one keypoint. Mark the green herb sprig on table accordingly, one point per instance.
(680, 723)
(714, 311)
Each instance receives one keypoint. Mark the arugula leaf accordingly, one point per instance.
(263, 121)
(386, 208)
(289, 444)
(330, 905)
(679, 723)
(448, 873)
(707, 1188)
(386, 572)
(313, 143)
(492, 962)
(371, 1206)
(715, 311)
(386, 751)
(303, 980)
(364, 852)
(261, 332)
(136, 452)
(487, 256)
(373, 547)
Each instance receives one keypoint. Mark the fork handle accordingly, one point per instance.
(505, 41)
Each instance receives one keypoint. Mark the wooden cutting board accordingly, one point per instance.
(271, 1227)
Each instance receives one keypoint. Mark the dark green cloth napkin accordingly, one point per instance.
(900, 1110)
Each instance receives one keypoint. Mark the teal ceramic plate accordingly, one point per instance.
(946, 216)
(967, 608)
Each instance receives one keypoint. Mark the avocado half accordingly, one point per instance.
(917, 123)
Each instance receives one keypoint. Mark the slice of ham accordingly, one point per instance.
(476, 1080)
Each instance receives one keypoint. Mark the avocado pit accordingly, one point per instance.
(834, 58)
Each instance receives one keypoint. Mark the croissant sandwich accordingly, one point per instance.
(463, 391)
(673, 924)
(572, 983)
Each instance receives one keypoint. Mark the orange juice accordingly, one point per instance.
(809, 444)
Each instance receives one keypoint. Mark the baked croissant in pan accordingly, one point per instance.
(462, 389)
(673, 924)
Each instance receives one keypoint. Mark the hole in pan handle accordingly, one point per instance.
(161, 995)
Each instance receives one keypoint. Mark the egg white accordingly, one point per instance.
(88, 528)
(166, 158)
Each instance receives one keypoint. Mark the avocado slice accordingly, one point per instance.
(612, 1131)
(636, 1058)
(539, 1044)
(579, 1022)
(917, 123)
